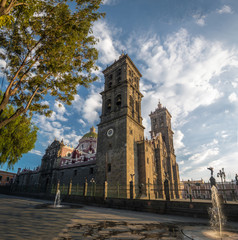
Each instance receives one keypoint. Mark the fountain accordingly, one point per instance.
(217, 219)
(57, 199)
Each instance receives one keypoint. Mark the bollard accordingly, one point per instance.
(105, 190)
(85, 188)
(70, 187)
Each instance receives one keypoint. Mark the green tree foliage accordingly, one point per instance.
(49, 50)
(16, 138)
(6, 6)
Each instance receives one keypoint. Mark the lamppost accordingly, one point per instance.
(190, 191)
(233, 195)
(236, 178)
(222, 175)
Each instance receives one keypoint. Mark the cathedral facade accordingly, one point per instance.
(123, 153)
(119, 154)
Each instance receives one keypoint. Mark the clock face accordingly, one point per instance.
(110, 132)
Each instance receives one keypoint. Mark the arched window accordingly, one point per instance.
(118, 102)
(137, 106)
(119, 72)
(118, 79)
(131, 102)
(109, 84)
(108, 105)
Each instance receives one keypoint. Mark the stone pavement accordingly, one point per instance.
(22, 218)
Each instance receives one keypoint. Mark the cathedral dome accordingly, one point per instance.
(91, 134)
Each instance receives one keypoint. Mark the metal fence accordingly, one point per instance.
(146, 191)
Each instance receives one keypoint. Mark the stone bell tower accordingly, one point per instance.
(161, 123)
(121, 124)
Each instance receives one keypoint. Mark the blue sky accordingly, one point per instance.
(187, 52)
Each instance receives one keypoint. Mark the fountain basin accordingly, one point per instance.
(206, 232)
(61, 206)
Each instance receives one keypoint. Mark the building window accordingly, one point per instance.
(118, 101)
(75, 172)
(119, 72)
(109, 84)
(108, 105)
(118, 79)
(131, 102)
(148, 160)
(137, 106)
(7, 179)
(0, 178)
(91, 170)
(62, 174)
(109, 167)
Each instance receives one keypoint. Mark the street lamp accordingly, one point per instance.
(222, 175)
(236, 178)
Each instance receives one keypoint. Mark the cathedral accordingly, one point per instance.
(119, 153)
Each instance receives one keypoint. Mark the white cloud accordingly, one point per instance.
(37, 152)
(106, 46)
(200, 20)
(178, 137)
(235, 83)
(44, 103)
(81, 121)
(92, 106)
(2, 64)
(110, 2)
(224, 9)
(224, 134)
(182, 71)
(203, 156)
(89, 107)
(51, 129)
(56, 124)
(59, 107)
(78, 103)
(232, 97)
(59, 112)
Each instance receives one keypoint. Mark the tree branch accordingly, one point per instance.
(6, 10)
(9, 91)
(19, 111)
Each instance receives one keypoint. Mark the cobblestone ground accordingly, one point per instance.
(22, 218)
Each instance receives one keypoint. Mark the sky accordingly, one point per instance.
(187, 52)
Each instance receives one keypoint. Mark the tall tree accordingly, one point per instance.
(48, 50)
(16, 138)
(6, 6)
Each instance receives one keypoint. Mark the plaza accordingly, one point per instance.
(25, 218)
